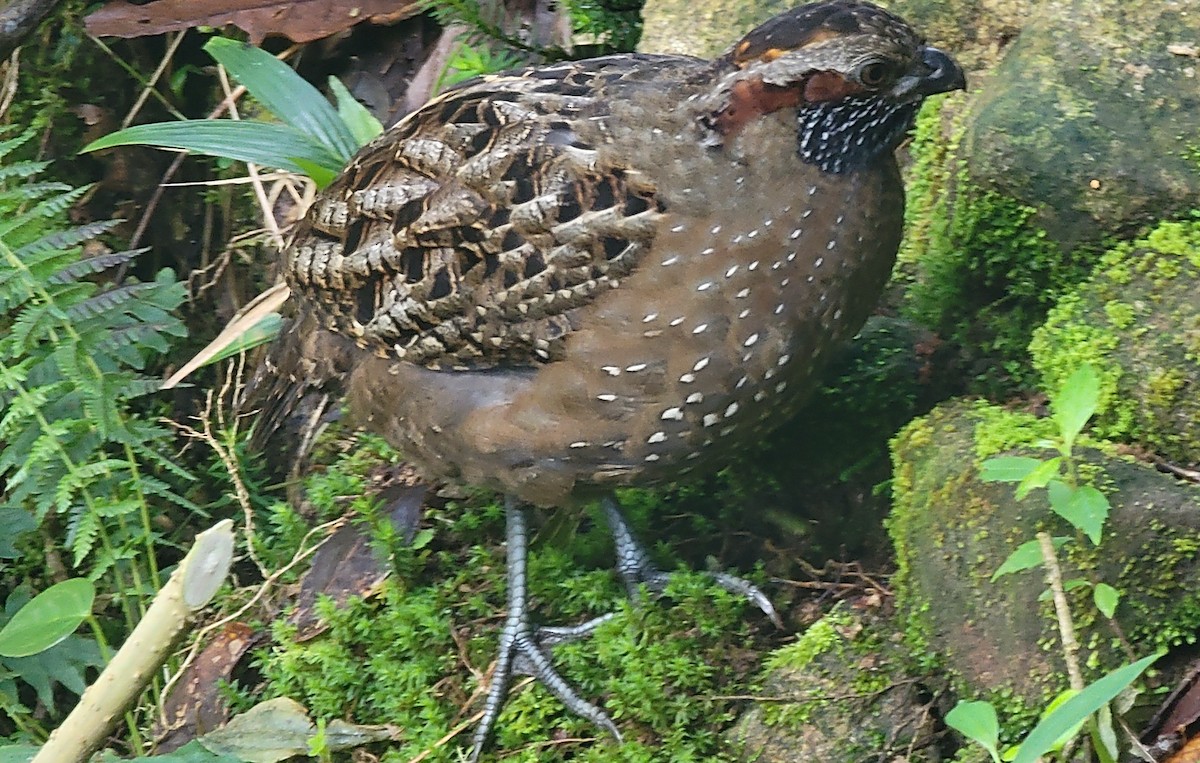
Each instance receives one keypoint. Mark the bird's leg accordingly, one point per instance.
(635, 568)
(520, 650)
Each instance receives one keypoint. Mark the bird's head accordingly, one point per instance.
(854, 73)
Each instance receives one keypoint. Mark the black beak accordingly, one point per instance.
(938, 73)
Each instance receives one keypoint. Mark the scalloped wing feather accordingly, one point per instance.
(468, 235)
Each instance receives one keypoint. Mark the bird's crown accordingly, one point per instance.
(854, 72)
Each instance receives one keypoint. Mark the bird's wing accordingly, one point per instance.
(467, 235)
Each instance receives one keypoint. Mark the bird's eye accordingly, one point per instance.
(873, 74)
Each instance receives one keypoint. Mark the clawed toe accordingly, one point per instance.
(526, 651)
(523, 652)
(636, 570)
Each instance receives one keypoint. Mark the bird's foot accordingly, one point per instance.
(524, 651)
(521, 653)
(636, 570)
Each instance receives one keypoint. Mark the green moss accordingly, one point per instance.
(842, 653)
(1120, 314)
(1137, 322)
(413, 654)
(974, 264)
(998, 430)
(822, 637)
(946, 530)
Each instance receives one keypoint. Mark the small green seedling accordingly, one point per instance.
(1086, 509)
(977, 720)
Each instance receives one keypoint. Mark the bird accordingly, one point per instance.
(575, 277)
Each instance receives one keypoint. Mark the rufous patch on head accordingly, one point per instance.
(828, 86)
(749, 99)
(751, 49)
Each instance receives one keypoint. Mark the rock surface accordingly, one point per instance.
(952, 531)
(1137, 320)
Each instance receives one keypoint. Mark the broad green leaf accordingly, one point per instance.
(1084, 507)
(272, 145)
(1104, 736)
(1027, 556)
(64, 666)
(1093, 696)
(48, 618)
(362, 124)
(1039, 477)
(1075, 403)
(1106, 598)
(17, 753)
(192, 752)
(285, 94)
(977, 722)
(322, 175)
(1008, 468)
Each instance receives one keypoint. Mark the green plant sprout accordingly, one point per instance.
(1062, 720)
(1083, 506)
(1086, 509)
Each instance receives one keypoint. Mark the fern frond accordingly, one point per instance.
(83, 528)
(160, 489)
(92, 265)
(36, 324)
(69, 488)
(71, 357)
(65, 239)
(8, 145)
(49, 206)
(106, 302)
(22, 170)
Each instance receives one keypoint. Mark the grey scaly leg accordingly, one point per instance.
(519, 647)
(635, 568)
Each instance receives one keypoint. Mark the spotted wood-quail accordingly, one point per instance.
(615, 271)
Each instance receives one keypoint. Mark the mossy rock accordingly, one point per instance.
(701, 27)
(975, 30)
(952, 531)
(845, 692)
(1137, 321)
(1092, 120)
(1084, 133)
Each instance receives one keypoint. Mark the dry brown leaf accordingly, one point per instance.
(255, 310)
(1176, 718)
(298, 20)
(196, 705)
(1189, 753)
(346, 565)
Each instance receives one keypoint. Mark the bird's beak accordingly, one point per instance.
(935, 73)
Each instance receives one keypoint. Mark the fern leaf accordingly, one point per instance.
(23, 410)
(166, 464)
(82, 531)
(160, 489)
(47, 447)
(81, 476)
(106, 302)
(21, 170)
(7, 146)
(48, 207)
(93, 265)
(36, 324)
(65, 239)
